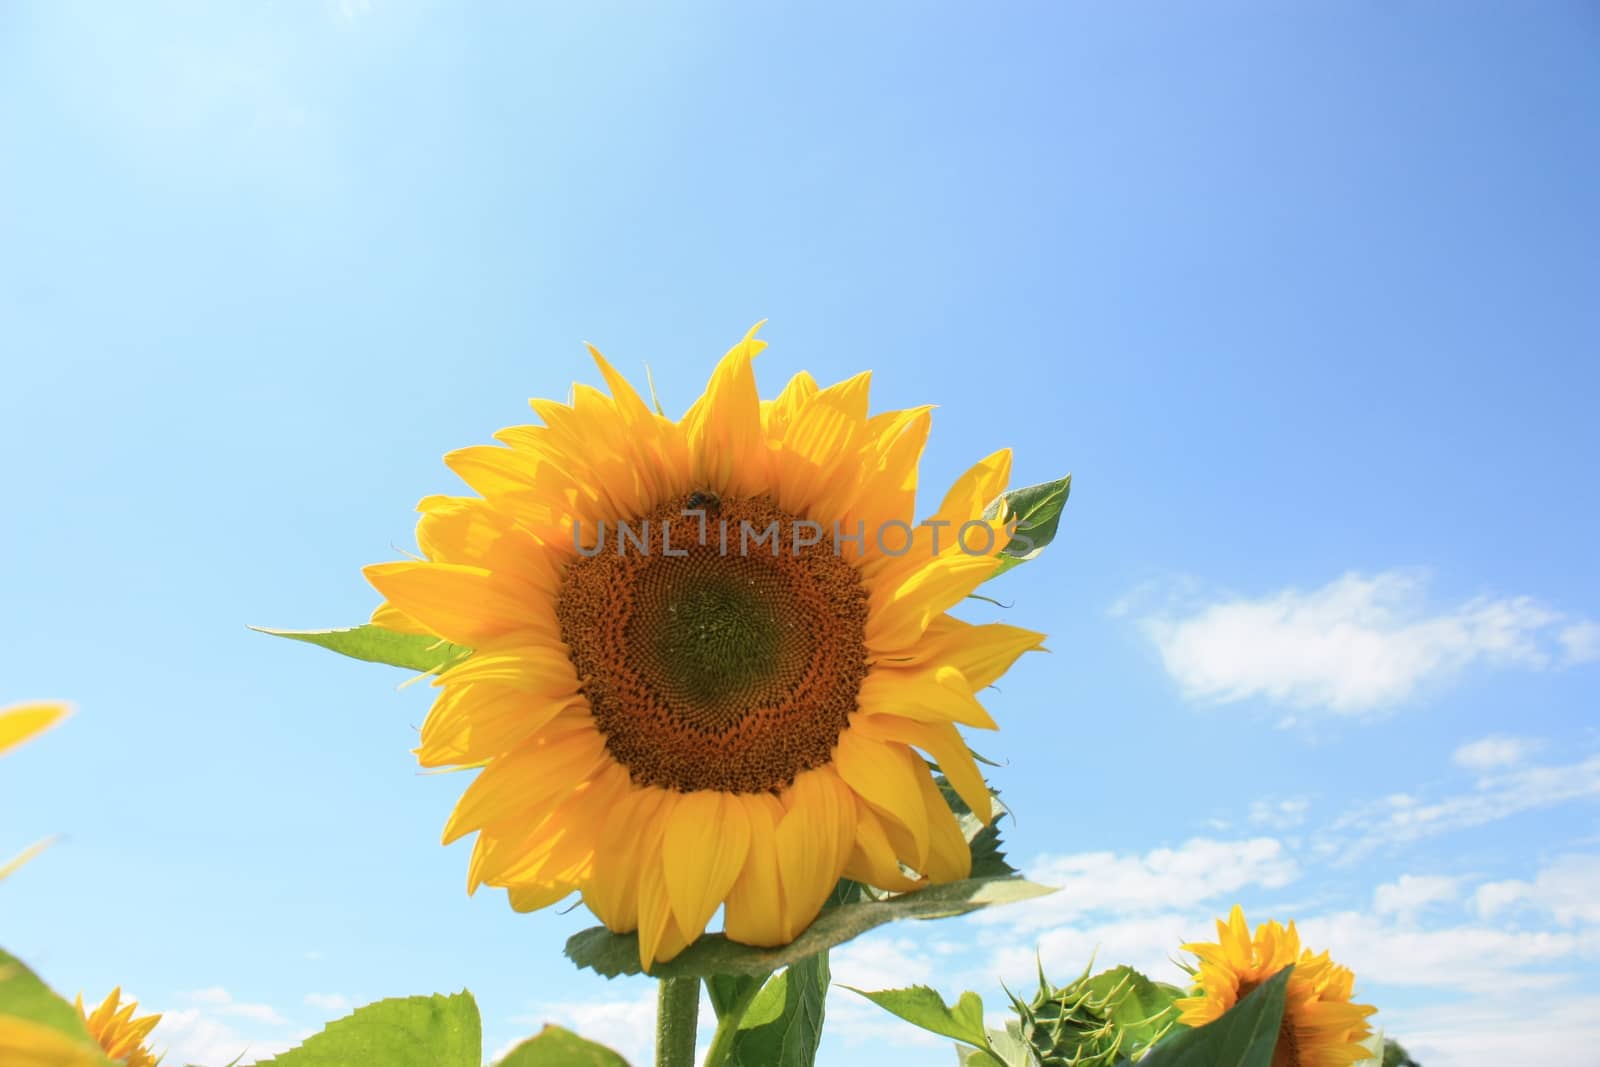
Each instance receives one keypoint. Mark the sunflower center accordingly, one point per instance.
(723, 653)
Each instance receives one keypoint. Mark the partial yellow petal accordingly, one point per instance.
(724, 429)
(22, 721)
(16, 863)
(25, 1043)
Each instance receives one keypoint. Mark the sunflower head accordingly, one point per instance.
(707, 653)
(1321, 1026)
(114, 1029)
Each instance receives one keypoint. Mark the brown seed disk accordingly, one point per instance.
(732, 666)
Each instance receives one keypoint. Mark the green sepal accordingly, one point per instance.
(1036, 509)
(375, 644)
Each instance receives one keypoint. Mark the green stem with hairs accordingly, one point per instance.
(677, 1017)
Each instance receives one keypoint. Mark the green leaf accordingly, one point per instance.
(415, 652)
(1244, 1036)
(924, 1007)
(784, 1024)
(1008, 1046)
(1036, 509)
(24, 994)
(614, 954)
(436, 1031)
(555, 1047)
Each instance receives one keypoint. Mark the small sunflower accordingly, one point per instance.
(115, 1030)
(678, 713)
(1321, 1027)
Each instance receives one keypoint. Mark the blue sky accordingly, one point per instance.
(1302, 297)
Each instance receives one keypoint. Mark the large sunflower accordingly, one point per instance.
(722, 709)
(115, 1030)
(1321, 1027)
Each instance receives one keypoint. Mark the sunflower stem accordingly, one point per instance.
(677, 1017)
(728, 1025)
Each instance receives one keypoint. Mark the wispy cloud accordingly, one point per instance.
(1357, 644)
(1568, 890)
(333, 1004)
(1162, 879)
(1403, 817)
(1494, 752)
(1410, 894)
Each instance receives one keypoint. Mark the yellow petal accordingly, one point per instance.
(927, 694)
(545, 767)
(755, 909)
(613, 888)
(949, 855)
(980, 652)
(463, 604)
(944, 744)
(873, 860)
(474, 722)
(885, 776)
(814, 841)
(703, 851)
(902, 612)
(22, 721)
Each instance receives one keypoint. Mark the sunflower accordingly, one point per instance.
(706, 652)
(115, 1030)
(1321, 1027)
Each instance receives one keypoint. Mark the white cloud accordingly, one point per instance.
(1199, 870)
(1581, 641)
(1279, 814)
(1354, 645)
(1401, 818)
(1412, 893)
(334, 1004)
(1568, 889)
(1510, 1026)
(1489, 753)
(221, 1002)
(207, 1033)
